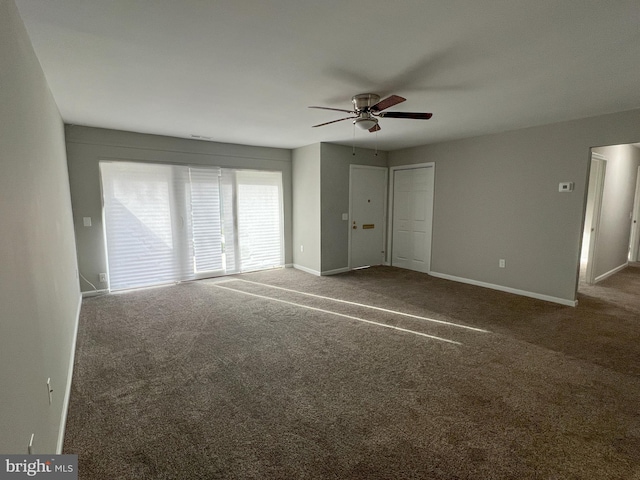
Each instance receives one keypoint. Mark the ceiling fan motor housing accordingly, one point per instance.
(364, 101)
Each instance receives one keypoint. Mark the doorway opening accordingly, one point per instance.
(611, 233)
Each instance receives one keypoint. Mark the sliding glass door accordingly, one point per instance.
(145, 224)
(169, 223)
(259, 213)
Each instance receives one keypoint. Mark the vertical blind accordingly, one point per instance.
(206, 216)
(259, 219)
(168, 223)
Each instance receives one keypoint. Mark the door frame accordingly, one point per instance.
(353, 167)
(596, 214)
(389, 249)
(634, 240)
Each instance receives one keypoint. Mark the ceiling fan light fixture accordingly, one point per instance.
(365, 123)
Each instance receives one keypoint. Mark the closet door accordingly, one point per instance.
(413, 191)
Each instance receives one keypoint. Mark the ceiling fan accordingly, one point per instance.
(367, 108)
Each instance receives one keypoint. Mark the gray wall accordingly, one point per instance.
(39, 291)
(306, 208)
(335, 161)
(496, 196)
(87, 146)
(617, 205)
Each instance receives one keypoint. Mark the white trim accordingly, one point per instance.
(350, 215)
(288, 265)
(318, 273)
(599, 278)
(388, 254)
(93, 293)
(67, 393)
(524, 293)
(335, 271)
(307, 270)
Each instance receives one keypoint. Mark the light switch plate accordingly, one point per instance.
(86, 221)
(565, 187)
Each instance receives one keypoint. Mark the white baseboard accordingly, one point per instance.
(93, 293)
(524, 293)
(335, 271)
(611, 272)
(318, 274)
(288, 265)
(305, 269)
(67, 393)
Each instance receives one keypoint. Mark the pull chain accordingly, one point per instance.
(376, 143)
(353, 142)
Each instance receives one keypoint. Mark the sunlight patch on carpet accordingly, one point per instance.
(380, 309)
(351, 317)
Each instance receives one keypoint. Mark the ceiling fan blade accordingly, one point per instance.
(335, 109)
(387, 102)
(412, 115)
(375, 128)
(334, 121)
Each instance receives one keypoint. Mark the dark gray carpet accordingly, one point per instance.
(195, 381)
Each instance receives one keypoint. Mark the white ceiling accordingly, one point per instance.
(244, 71)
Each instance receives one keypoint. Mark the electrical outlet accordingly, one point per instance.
(502, 263)
(302, 248)
(103, 277)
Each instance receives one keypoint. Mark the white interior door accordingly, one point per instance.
(634, 242)
(594, 206)
(368, 203)
(412, 218)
